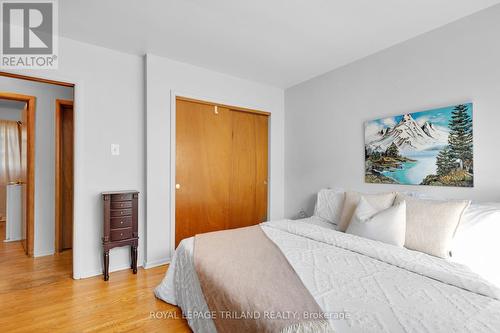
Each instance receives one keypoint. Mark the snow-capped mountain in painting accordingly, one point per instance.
(408, 135)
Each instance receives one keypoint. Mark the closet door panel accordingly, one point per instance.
(203, 166)
(262, 153)
(244, 171)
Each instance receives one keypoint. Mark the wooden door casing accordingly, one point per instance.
(24, 177)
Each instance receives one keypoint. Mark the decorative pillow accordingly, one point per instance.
(387, 225)
(431, 224)
(476, 244)
(379, 201)
(329, 204)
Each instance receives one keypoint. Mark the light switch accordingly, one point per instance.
(115, 149)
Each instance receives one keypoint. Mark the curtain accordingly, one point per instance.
(10, 153)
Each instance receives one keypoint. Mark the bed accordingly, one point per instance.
(361, 285)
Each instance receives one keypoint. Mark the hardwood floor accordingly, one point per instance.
(39, 295)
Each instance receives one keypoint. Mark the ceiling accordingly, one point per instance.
(278, 42)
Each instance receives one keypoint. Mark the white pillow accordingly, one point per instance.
(386, 225)
(431, 224)
(476, 243)
(379, 201)
(329, 204)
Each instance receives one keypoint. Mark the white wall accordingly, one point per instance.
(324, 116)
(109, 108)
(11, 110)
(3, 202)
(164, 78)
(46, 95)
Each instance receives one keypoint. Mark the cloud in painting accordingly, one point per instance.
(389, 122)
(371, 128)
(422, 120)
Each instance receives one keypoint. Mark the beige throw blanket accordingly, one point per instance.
(249, 286)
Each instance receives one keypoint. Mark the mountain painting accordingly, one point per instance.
(431, 147)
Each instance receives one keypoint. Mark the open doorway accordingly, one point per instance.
(11, 173)
(47, 177)
(17, 168)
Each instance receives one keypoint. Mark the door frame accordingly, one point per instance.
(79, 214)
(60, 104)
(30, 165)
(174, 96)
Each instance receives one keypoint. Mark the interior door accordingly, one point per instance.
(203, 168)
(67, 144)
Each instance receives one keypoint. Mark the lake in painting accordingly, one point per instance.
(423, 148)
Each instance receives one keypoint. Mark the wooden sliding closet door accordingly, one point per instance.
(203, 166)
(221, 168)
(248, 196)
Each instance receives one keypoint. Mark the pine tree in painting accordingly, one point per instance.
(392, 151)
(460, 137)
(445, 161)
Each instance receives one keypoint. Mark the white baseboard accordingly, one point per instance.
(43, 254)
(12, 240)
(156, 263)
(89, 274)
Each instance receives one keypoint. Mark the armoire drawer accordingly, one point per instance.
(121, 204)
(119, 234)
(121, 197)
(121, 222)
(120, 212)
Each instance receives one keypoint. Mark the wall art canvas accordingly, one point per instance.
(433, 147)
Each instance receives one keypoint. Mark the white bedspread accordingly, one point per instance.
(181, 287)
(381, 288)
